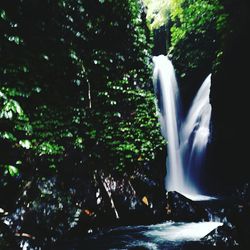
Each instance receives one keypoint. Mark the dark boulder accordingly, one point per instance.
(180, 208)
(223, 236)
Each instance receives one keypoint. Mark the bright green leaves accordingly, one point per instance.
(25, 144)
(193, 17)
(12, 92)
(221, 21)
(20, 128)
(16, 39)
(3, 14)
(92, 134)
(10, 36)
(130, 130)
(9, 108)
(15, 121)
(13, 171)
(79, 142)
(196, 26)
(189, 18)
(49, 148)
(8, 136)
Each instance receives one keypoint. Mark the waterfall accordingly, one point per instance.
(187, 137)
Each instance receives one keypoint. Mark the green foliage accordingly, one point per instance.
(10, 113)
(10, 108)
(13, 171)
(15, 126)
(49, 148)
(133, 137)
(75, 84)
(196, 26)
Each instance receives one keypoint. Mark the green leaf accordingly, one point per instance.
(7, 135)
(25, 144)
(3, 14)
(13, 171)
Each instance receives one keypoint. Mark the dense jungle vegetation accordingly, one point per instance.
(75, 83)
(76, 88)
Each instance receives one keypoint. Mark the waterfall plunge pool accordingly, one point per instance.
(168, 235)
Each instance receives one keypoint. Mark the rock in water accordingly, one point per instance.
(180, 208)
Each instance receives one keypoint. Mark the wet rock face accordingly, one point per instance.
(234, 213)
(180, 208)
(135, 199)
(122, 197)
(223, 236)
(43, 213)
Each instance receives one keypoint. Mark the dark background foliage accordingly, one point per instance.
(75, 88)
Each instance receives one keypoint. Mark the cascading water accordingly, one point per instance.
(169, 103)
(186, 138)
(195, 133)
